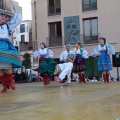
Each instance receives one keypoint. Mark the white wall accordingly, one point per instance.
(26, 33)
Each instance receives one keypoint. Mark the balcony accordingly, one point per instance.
(90, 39)
(88, 6)
(55, 41)
(55, 10)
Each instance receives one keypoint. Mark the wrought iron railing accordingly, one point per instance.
(55, 41)
(91, 6)
(55, 10)
(23, 30)
(90, 39)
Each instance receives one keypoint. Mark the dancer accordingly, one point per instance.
(104, 62)
(9, 56)
(46, 63)
(64, 69)
(63, 57)
(79, 62)
(64, 54)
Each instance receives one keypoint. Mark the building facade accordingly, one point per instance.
(58, 22)
(24, 36)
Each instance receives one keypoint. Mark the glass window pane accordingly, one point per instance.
(93, 3)
(57, 3)
(52, 29)
(86, 4)
(87, 29)
(22, 28)
(51, 3)
(94, 30)
(94, 27)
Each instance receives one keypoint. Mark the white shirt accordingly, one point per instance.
(64, 54)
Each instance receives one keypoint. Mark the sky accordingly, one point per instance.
(26, 8)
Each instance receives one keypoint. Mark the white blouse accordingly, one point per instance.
(98, 48)
(12, 23)
(41, 52)
(83, 52)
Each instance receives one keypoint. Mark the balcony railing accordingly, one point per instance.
(90, 39)
(55, 41)
(23, 30)
(55, 10)
(92, 6)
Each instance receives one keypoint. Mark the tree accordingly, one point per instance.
(27, 61)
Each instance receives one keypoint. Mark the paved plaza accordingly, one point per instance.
(33, 101)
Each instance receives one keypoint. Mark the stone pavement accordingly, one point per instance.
(33, 101)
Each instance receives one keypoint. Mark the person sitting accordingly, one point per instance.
(64, 69)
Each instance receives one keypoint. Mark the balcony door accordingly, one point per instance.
(55, 34)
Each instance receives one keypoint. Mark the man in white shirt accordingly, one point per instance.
(64, 69)
(64, 54)
(63, 57)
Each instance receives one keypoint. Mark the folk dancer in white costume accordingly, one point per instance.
(79, 62)
(103, 51)
(64, 54)
(63, 57)
(64, 69)
(46, 63)
(9, 56)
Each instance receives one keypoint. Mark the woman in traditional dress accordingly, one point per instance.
(103, 50)
(46, 63)
(9, 56)
(79, 62)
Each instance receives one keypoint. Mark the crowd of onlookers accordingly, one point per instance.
(20, 77)
(25, 78)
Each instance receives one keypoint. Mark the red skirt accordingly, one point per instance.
(79, 65)
(41, 59)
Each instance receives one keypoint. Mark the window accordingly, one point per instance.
(89, 5)
(30, 48)
(1, 4)
(90, 30)
(22, 38)
(55, 34)
(54, 7)
(22, 28)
